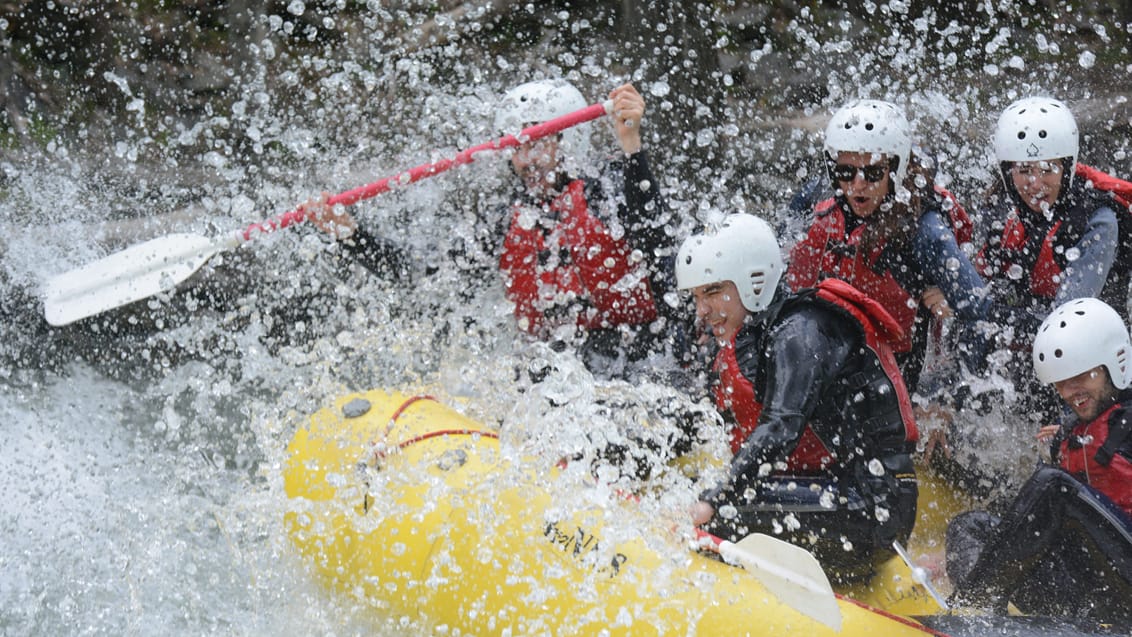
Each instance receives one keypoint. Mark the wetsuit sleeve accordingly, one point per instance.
(948, 267)
(1086, 275)
(644, 214)
(803, 355)
(646, 219)
(381, 256)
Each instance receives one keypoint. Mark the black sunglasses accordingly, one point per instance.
(848, 172)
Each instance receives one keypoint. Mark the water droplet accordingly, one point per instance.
(876, 467)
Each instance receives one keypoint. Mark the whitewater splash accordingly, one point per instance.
(143, 450)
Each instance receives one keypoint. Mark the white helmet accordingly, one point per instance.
(1078, 336)
(539, 101)
(743, 250)
(1036, 128)
(871, 126)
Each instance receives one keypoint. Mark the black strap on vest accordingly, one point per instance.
(1119, 427)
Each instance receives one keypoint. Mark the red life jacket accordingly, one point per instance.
(1045, 273)
(594, 268)
(1121, 190)
(1113, 479)
(827, 251)
(736, 393)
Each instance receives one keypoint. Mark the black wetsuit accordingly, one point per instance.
(809, 363)
(1063, 549)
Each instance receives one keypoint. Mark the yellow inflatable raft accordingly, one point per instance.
(419, 510)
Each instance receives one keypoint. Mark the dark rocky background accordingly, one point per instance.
(120, 121)
(157, 86)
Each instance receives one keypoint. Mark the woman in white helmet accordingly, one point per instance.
(1053, 237)
(569, 246)
(822, 422)
(888, 230)
(1068, 535)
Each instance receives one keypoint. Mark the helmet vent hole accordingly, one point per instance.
(1021, 134)
(758, 281)
(1057, 353)
(1063, 324)
(1042, 357)
(869, 126)
(1043, 134)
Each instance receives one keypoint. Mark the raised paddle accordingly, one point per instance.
(792, 574)
(160, 264)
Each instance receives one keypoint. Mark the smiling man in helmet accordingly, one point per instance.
(822, 422)
(577, 251)
(1068, 534)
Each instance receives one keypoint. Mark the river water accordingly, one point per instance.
(144, 448)
(141, 465)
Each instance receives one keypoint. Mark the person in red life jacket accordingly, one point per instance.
(1068, 534)
(1052, 237)
(823, 422)
(578, 254)
(888, 230)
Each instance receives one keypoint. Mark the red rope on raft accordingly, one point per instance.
(903, 620)
(404, 406)
(447, 432)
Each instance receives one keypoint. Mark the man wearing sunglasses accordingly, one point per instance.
(1068, 535)
(886, 231)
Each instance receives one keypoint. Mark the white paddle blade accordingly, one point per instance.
(792, 573)
(133, 274)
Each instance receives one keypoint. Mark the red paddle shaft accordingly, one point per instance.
(538, 131)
